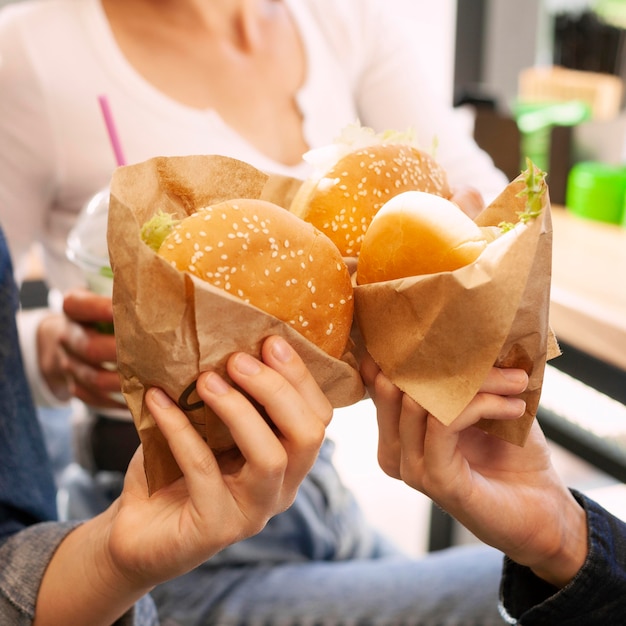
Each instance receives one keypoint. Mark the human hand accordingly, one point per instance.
(116, 557)
(508, 496)
(183, 524)
(469, 200)
(76, 357)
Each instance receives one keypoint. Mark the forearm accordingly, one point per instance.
(81, 586)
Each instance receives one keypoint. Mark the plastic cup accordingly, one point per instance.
(597, 191)
(87, 244)
(87, 247)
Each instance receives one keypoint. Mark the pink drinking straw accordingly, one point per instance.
(113, 136)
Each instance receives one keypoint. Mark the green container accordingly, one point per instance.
(597, 191)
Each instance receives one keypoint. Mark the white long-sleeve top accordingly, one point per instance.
(58, 56)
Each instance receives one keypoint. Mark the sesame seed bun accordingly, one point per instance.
(342, 200)
(271, 259)
(418, 233)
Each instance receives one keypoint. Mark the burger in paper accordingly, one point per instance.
(207, 261)
(257, 251)
(458, 296)
(356, 175)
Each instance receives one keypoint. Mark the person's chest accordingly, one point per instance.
(251, 85)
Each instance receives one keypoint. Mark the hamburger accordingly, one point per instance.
(356, 176)
(419, 233)
(261, 253)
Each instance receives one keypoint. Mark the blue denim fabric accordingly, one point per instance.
(27, 490)
(455, 587)
(320, 563)
(596, 596)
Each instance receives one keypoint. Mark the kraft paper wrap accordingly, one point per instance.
(436, 336)
(170, 326)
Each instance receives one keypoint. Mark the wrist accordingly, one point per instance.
(568, 556)
(83, 563)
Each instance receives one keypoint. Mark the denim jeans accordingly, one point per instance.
(320, 563)
(27, 491)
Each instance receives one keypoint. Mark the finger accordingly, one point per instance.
(368, 368)
(193, 456)
(413, 428)
(261, 476)
(445, 466)
(135, 477)
(98, 380)
(297, 418)
(505, 381)
(445, 473)
(281, 357)
(89, 345)
(96, 398)
(85, 306)
(301, 426)
(388, 401)
(489, 406)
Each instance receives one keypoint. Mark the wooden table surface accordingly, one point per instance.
(588, 298)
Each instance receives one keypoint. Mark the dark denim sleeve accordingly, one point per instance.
(27, 490)
(597, 595)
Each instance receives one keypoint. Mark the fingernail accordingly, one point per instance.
(247, 364)
(281, 350)
(161, 398)
(514, 375)
(215, 384)
(518, 405)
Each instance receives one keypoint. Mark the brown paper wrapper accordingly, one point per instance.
(170, 326)
(436, 336)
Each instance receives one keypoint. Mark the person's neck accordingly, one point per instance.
(235, 20)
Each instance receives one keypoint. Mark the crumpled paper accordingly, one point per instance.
(169, 325)
(436, 336)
